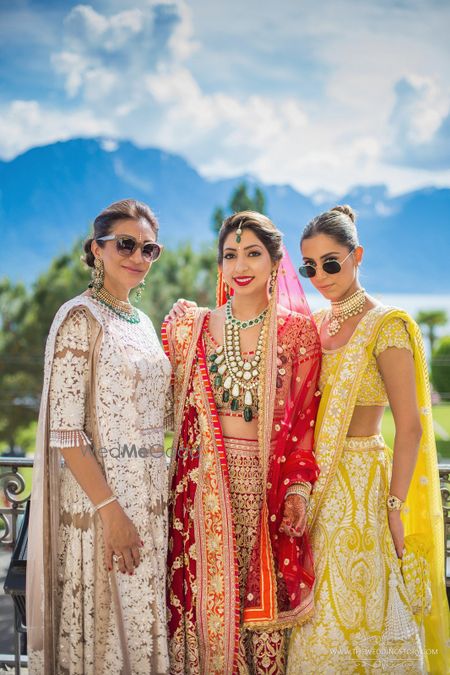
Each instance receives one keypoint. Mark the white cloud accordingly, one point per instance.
(226, 84)
(26, 124)
(420, 125)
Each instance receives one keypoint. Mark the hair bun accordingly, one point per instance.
(346, 210)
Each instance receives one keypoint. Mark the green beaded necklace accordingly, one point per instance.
(229, 368)
(124, 310)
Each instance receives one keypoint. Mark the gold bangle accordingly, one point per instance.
(105, 502)
(301, 489)
(393, 503)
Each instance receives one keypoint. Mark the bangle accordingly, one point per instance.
(105, 502)
(301, 489)
(393, 503)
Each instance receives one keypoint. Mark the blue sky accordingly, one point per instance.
(322, 95)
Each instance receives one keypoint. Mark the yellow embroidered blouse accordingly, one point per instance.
(372, 390)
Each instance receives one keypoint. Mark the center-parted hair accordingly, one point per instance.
(338, 223)
(126, 209)
(260, 225)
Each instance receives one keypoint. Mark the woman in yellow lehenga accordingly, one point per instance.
(365, 619)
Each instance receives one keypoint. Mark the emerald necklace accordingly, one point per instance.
(238, 377)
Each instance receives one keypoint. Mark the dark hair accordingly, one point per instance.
(339, 223)
(261, 225)
(105, 221)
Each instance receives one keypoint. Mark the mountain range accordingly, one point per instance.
(49, 195)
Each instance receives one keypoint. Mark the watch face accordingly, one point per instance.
(394, 503)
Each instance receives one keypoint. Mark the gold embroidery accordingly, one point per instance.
(393, 333)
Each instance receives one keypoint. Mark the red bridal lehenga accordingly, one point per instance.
(235, 583)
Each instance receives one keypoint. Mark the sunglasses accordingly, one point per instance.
(329, 266)
(126, 245)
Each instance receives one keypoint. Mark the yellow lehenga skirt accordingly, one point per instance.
(363, 622)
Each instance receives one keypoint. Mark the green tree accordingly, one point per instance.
(25, 319)
(440, 367)
(431, 319)
(240, 200)
(180, 273)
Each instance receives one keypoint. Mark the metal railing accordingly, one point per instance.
(13, 490)
(14, 493)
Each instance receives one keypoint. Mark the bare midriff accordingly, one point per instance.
(366, 420)
(237, 427)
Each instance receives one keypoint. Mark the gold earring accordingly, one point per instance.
(227, 290)
(139, 290)
(273, 280)
(98, 274)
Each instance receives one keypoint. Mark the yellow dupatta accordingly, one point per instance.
(422, 513)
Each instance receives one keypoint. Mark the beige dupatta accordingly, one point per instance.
(42, 583)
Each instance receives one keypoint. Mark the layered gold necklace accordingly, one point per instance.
(239, 378)
(344, 309)
(122, 309)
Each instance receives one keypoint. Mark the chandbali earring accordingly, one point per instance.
(273, 281)
(98, 274)
(139, 290)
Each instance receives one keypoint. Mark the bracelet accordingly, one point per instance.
(301, 489)
(393, 503)
(105, 502)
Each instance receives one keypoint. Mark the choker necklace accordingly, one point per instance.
(344, 309)
(239, 378)
(124, 310)
(243, 324)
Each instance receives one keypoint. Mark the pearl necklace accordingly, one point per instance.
(123, 310)
(344, 309)
(237, 376)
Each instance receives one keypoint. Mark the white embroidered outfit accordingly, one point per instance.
(105, 390)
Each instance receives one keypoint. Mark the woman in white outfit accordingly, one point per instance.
(98, 533)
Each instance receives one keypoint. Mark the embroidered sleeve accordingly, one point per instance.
(69, 381)
(392, 334)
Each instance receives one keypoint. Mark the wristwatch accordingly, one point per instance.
(393, 503)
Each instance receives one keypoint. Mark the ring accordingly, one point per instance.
(116, 558)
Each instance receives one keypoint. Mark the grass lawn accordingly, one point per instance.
(441, 415)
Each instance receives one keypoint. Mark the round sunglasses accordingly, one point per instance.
(329, 266)
(126, 245)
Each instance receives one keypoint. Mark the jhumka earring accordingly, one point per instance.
(98, 274)
(273, 280)
(227, 290)
(139, 290)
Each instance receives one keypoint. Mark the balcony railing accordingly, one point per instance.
(13, 498)
(13, 492)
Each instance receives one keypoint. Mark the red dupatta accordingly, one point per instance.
(203, 577)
